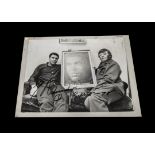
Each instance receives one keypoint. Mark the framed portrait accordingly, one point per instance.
(77, 70)
(88, 76)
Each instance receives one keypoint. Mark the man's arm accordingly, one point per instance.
(34, 76)
(32, 81)
(112, 74)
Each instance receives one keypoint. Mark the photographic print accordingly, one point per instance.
(77, 77)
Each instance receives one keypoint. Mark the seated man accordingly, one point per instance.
(45, 83)
(109, 84)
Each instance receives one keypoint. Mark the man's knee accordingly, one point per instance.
(46, 107)
(87, 102)
(45, 100)
(61, 107)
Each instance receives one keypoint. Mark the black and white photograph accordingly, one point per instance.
(77, 76)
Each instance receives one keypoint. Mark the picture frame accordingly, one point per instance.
(74, 62)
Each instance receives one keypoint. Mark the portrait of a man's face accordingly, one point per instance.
(77, 69)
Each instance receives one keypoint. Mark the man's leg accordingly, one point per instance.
(60, 100)
(87, 103)
(96, 103)
(45, 99)
(60, 106)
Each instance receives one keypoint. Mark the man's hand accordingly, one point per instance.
(33, 90)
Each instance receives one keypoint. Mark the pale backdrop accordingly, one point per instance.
(39, 50)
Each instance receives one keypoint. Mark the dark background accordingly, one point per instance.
(142, 45)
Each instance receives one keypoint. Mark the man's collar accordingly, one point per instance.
(48, 64)
(103, 64)
(106, 62)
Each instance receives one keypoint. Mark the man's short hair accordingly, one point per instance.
(105, 50)
(53, 53)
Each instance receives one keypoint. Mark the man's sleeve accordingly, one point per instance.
(34, 76)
